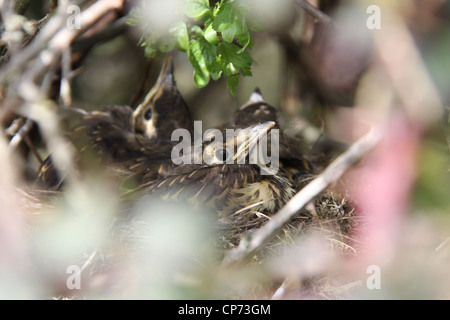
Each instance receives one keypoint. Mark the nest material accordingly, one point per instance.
(328, 215)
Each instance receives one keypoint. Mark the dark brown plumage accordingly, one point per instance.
(292, 160)
(223, 182)
(136, 143)
(163, 109)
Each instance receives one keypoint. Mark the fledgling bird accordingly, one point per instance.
(136, 143)
(226, 180)
(163, 109)
(140, 140)
(292, 160)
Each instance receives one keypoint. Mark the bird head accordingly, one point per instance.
(233, 145)
(163, 109)
(255, 110)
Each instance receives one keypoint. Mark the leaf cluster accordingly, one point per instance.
(216, 38)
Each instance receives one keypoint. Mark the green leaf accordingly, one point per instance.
(157, 45)
(201, 55)
(243, 35)
(211, 35)
(229, 33)
(234, 59)
(216, 45)
(198, 10)
(135, 17)
(180, 33)
(231, 21)
(232, 83)
(209, 52)
(201, 78)
(166, 44)
(216, 69)
(224, 21)
(150, 52)
(196, 32)
(141, 41)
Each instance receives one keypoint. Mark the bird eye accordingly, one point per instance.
(222, 155)
(148, 114)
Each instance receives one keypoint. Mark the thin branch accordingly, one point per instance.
(58, 39)
(32, 148)
(20, 130)
(21, 134)
(88, 261)
(404, 65)
(315, 13)
(330, 175)
(48, 79)
(15, 126)
(281, 291)
(65, 91)
(442, 245)
(20, 60)
(111, 31)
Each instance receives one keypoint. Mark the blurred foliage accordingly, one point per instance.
(154, 250)
(436, 51)
(433, 181)
(216, 41)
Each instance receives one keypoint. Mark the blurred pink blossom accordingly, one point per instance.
(381, 188)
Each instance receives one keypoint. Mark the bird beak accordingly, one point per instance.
(255, 97)
(166, 74)
(165, 80)
(253, 135)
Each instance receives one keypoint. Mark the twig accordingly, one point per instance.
(65, 91)
(21, 133)
(48, 79)
(88, 261)
(116, 28)
(442, 245)
(314, 12)
(281, 291)
(403, 64)
(58, 39)
(330, 175)
(32, 148)
(20, 60)
(15, 126)
(251, 206)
